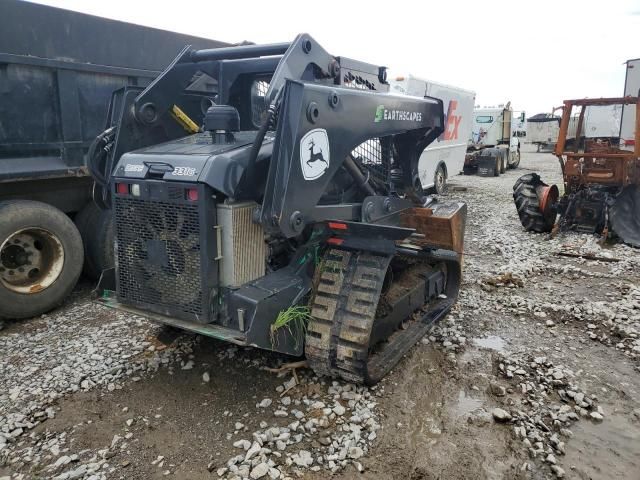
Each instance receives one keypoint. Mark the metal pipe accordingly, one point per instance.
(241, 51)
(358, 176)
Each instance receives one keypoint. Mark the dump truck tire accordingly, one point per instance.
(528, 206)
(41, 258)
(96, 228)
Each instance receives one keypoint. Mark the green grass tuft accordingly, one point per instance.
(294, 318)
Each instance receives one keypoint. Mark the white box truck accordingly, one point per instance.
(444, 157)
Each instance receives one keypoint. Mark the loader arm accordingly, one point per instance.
(312, 130)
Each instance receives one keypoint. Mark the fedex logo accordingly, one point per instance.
(452, 122)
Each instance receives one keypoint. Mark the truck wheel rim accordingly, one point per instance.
(439, 180)
(30, 260)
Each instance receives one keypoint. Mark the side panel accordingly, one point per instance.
(631, 87)
(543, 132)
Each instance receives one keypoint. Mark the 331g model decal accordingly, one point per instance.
(184, 171)
(314, 154)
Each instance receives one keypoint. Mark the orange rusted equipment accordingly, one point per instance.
(601, 181)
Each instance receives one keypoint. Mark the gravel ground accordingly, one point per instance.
(534, 374)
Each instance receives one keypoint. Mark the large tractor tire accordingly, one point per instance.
(624, 216)
(525, 196)
(96, 228)
(41, 258)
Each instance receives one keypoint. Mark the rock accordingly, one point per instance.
(253, 450)
(222, 471)
(259, 471)
(339, 410)
(558, 472)
(239, 426)
(498, 390)
(274, 473)
(244, 444)
(355, 452)
(596, 416)
(549, 323)
(280, 413)
(501, 415)
(303, 458)
(265, 403)
(206, 377)
(188, 366)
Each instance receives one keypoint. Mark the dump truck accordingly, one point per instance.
(444, 157)
(493, 144)
(294, 219)
(601, 181)
(58, 71)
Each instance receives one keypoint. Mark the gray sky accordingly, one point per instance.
(534, 53)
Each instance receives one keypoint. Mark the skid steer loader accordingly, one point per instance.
(601, 182)
(283, 212)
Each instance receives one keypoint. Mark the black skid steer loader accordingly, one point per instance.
(282, 211)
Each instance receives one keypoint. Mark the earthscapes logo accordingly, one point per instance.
(383, 113)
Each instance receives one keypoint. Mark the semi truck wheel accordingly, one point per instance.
(40, 258)
(440, 180)
(96, 228)
(515, 159)
(503, 161)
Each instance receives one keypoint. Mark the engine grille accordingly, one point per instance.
(158, 255)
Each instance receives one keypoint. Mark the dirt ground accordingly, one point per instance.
(435, 410)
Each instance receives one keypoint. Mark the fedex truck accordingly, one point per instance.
(444, 157)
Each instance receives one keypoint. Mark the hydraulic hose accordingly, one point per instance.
(98, 161)
(269, 122)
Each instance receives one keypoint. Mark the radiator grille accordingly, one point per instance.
(243, 247)
(158, 254)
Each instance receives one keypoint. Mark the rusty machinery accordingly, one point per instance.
(601, 183)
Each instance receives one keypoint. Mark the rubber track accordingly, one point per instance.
(343, 312)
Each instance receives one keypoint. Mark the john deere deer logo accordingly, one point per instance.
(315, 157)
(314, 154)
